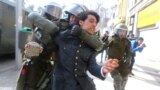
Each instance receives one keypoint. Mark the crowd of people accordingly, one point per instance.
(62, 50)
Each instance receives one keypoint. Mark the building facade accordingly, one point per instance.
(121, 11)
(143, 19)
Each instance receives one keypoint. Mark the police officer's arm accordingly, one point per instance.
(42, 23)
(43, 28)
(92, 40)
(107, 43)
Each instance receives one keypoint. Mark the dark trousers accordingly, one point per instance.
(132, 62)
(38, 72)
(119, 80)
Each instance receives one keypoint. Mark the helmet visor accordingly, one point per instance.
(75, 9)
(53, 11)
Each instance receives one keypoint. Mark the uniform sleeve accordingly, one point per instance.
(94, 68)
(106, 42)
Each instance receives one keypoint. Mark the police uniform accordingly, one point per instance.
(120, 49)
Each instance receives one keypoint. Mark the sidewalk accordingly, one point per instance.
(142, 63)
(8, 73)
(8, 78)
(147, 76)
(149, 65)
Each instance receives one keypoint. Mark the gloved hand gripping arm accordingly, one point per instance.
(91, 40)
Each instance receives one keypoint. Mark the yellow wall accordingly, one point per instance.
(121, 11)
(149, 15)
(122, 7)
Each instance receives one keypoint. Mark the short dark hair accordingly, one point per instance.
(106, 31)
(84, 15)
(140, 38)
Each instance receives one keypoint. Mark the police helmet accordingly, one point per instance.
(75, 9)
(120, 26)
(53, 9)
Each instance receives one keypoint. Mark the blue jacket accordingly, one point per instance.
(134, 47)
(75, 58)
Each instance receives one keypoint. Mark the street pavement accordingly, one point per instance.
(147, 76)
(8, 73)
(141, 81)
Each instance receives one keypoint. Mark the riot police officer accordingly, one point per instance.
(35, 72)
(119, 48)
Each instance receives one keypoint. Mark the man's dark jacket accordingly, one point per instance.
(75, 58)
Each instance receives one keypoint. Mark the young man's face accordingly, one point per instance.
(89, 25)
(140, 42)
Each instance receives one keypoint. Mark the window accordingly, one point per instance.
(132, 20)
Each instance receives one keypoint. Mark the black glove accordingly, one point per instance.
(63, 24)
(76, 30)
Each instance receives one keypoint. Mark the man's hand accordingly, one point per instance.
(142, 45)
(33, 49)
(109, 65)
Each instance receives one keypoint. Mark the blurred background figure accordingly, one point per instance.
(136, 46)
(131, 36)
(104, 39)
